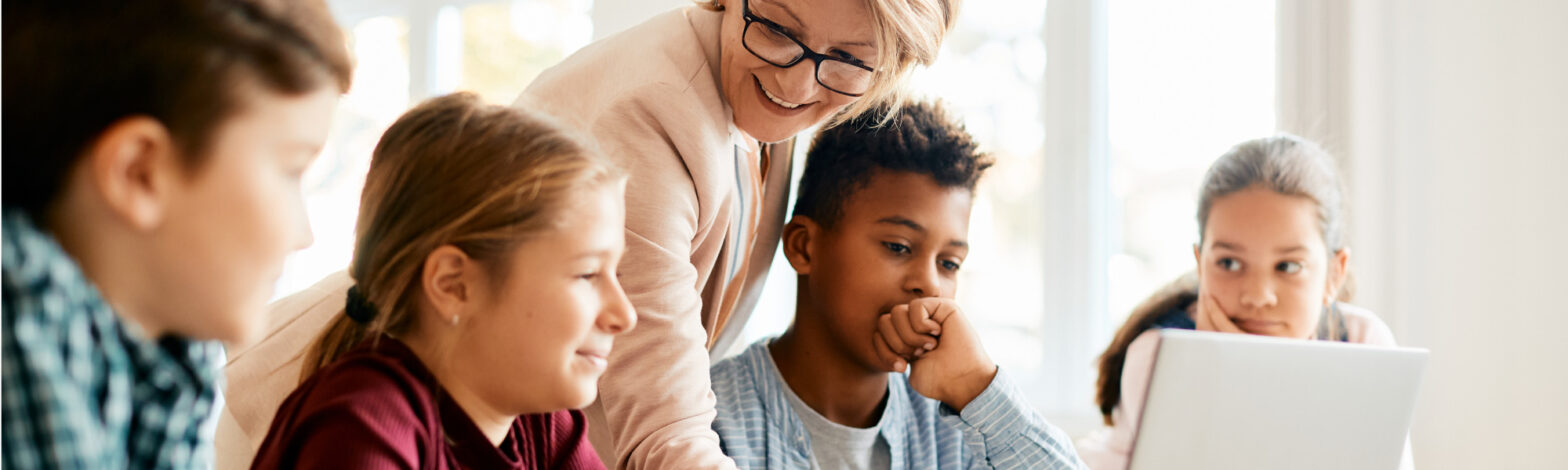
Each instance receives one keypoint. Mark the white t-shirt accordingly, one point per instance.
(835, 446)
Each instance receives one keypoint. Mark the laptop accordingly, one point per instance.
(1236, 401)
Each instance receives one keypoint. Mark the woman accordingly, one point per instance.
(1271, 261)
(699, 106)
(485, 289)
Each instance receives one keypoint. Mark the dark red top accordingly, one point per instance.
(378, 407)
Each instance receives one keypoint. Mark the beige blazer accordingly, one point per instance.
(261, 375)
(650, 98)
(655, 106)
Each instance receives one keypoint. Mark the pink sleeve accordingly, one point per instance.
(1365, 327)
(1114, 449)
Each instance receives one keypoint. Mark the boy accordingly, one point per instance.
(877, 239)
(153, 151)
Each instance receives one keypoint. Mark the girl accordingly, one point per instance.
(1271, 261)
(485, 290)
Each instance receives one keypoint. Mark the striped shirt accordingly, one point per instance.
(997, 429)
(84, 389)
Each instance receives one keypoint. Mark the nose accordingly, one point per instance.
(618, 316)
(1258, 292)
(301, 235)
(922, 280)
(798, 83)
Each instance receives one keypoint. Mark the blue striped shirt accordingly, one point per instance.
(758, 429)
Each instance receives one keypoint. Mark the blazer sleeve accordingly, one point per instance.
(655, 395)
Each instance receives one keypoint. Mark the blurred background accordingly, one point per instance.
(1449, 118)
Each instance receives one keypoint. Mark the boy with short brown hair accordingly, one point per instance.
(153, 152)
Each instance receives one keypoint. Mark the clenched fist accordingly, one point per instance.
(932, 339)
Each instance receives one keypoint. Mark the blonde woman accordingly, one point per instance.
(1271, 260)
(484, 290)
(700, 106)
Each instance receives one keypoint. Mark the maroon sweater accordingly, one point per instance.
(378, 407)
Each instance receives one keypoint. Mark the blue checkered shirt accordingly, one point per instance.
(84, 389)
(758, 428)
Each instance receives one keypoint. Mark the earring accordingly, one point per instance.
(454, 320)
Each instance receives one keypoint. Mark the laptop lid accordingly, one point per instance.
(1221, 401)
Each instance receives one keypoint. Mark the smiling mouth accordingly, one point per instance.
(597, 359)
(774, 98)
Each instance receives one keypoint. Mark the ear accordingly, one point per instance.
(446, 281)
(1339, 270)
(133, 166)
(799, 234)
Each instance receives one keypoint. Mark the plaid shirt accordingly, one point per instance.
(84, 389)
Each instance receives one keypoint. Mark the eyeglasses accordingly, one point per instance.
(769, 42)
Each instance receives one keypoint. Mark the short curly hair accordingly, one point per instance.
(921, 137)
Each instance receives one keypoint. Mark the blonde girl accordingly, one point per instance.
(484, 303)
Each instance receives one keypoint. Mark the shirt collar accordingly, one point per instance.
(740, 139)
(34, 260)
(783, 423)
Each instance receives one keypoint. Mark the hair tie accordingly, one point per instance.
(359, 308)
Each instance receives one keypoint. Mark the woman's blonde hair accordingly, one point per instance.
(452, 171)
(915, 29)
(1285, 164)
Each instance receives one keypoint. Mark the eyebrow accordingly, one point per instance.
(1220, 245)
(904, 222)
(802, 24)
(787, 11)
(592, 254)
(1237, 248)
(896, 220)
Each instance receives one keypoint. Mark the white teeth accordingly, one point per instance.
(778, 101)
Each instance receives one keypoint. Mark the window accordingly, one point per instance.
(1187, 81)
(332, 185)
(406, 51)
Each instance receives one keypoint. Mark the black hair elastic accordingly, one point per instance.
(359, 308)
